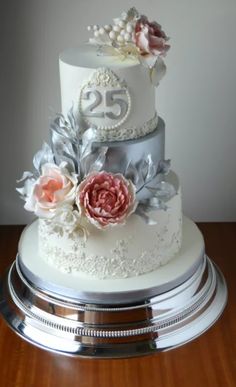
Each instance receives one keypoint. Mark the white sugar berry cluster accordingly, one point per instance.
(121, 32)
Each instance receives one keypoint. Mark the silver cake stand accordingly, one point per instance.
(140, 323)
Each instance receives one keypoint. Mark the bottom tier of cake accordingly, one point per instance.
(80, 286)
(119, 252)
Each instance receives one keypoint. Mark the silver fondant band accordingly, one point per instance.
(112, 297)
(120, 153)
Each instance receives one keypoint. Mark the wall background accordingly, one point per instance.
(197, 98)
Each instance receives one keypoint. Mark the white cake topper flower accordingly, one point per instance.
(134, 36)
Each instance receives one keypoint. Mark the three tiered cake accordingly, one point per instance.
(111, 267)
(107, 202)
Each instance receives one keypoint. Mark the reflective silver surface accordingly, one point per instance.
(121, 153)
(73, 327)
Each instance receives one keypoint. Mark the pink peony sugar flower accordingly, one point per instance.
(106, 199)
(150, 38)
(53, 189)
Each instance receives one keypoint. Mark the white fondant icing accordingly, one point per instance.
(120, 252)
(191, 251)
(77, 67)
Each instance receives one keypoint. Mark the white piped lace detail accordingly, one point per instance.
(127, 133)
(116, 263)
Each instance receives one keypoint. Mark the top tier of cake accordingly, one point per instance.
(116, 97)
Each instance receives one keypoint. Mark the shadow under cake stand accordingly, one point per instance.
(74, 315)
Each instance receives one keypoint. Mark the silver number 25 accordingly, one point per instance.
(111, 100)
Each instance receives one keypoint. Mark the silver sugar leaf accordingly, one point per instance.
(100, 159)
(132, 173)
(65, 143)
(85, 164)
(27, 187)
(151, 173)
(26, 175)
(132, 13)
(66, 126)
(43, 156)
(164, 166)
(72, 121)
(87, 140)
(152, 204)
(21, 191)
(142, 168)
(94, 161)
(151, 168)
(72, 164)
(163, 190)
(145, 216)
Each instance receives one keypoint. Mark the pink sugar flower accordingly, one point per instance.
(150, 38)
(106, 199)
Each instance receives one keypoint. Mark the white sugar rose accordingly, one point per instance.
(53, 189)
(70, 220)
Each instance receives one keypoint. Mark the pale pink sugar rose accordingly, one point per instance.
(106, 199)
(53, 189)
(150, 38)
